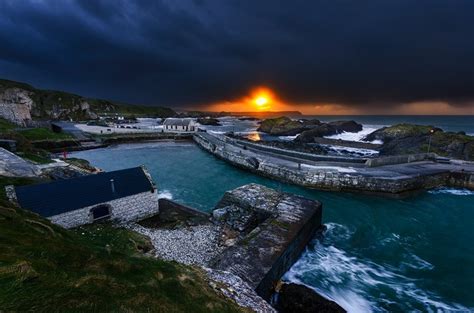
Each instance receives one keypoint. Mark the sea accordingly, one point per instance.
(376, 254)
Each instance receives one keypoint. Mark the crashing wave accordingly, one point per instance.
(452, 191)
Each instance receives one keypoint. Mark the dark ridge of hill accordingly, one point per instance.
(20, 103)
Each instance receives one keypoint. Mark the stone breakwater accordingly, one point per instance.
(267, 231)
(392, 180)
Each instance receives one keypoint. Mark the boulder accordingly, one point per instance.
(281, 126)
(284, 126)
(319, 131)
(299, 298)
(220, 214)
(210, 121)
(328, 129)
(346, 126)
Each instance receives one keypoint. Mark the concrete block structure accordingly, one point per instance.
(124, 195)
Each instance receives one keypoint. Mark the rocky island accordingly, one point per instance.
(409, 139)
(306, 129)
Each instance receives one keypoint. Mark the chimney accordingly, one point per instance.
(112, 185)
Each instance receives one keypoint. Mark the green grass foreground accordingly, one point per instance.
(98, 268)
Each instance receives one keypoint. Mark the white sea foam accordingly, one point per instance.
(339, 150)
(216, 131)
(353, 282)
(165, 194)
(287, 138)
(452, 191)
(366, 129)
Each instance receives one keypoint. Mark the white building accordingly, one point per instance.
(179, 125)
(124, 195)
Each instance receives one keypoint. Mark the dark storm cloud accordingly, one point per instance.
(187, 53)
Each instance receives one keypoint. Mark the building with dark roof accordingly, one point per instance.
(123, 195)
(179, 125)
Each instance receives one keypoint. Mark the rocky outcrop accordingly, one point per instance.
(412, 139)
(16, 105)
(346, 126)
(299, 298)
(328, 129)
(400, 131)
(285, 126)
(209, 121)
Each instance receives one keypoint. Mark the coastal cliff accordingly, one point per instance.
(22, 104)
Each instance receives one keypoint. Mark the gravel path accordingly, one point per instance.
(195, 245)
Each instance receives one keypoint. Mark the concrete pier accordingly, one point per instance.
(338, 173)
(272, 229)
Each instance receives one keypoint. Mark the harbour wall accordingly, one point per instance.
(400, 159)
(357, 181)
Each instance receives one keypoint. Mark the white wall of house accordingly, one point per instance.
(125, 209)
(176, 128)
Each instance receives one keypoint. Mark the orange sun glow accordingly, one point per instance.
(261, 99)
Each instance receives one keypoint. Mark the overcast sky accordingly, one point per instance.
(362, 56)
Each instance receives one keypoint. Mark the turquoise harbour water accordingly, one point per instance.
(378, 254)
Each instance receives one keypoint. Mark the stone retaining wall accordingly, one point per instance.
(400, 159)
(296, 154)
(130, 208)
(169, 205)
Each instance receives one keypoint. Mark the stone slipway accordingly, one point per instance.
(339, 174)
(13, 165)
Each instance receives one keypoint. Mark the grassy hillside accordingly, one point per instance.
(25, 136)
(63, 105)
(99, 268)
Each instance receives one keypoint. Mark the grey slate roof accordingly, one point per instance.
(62, 196)
(178, 121)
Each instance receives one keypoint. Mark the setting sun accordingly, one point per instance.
(261, 101)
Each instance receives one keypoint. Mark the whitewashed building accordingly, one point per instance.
(179, 125)
(124, 195)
